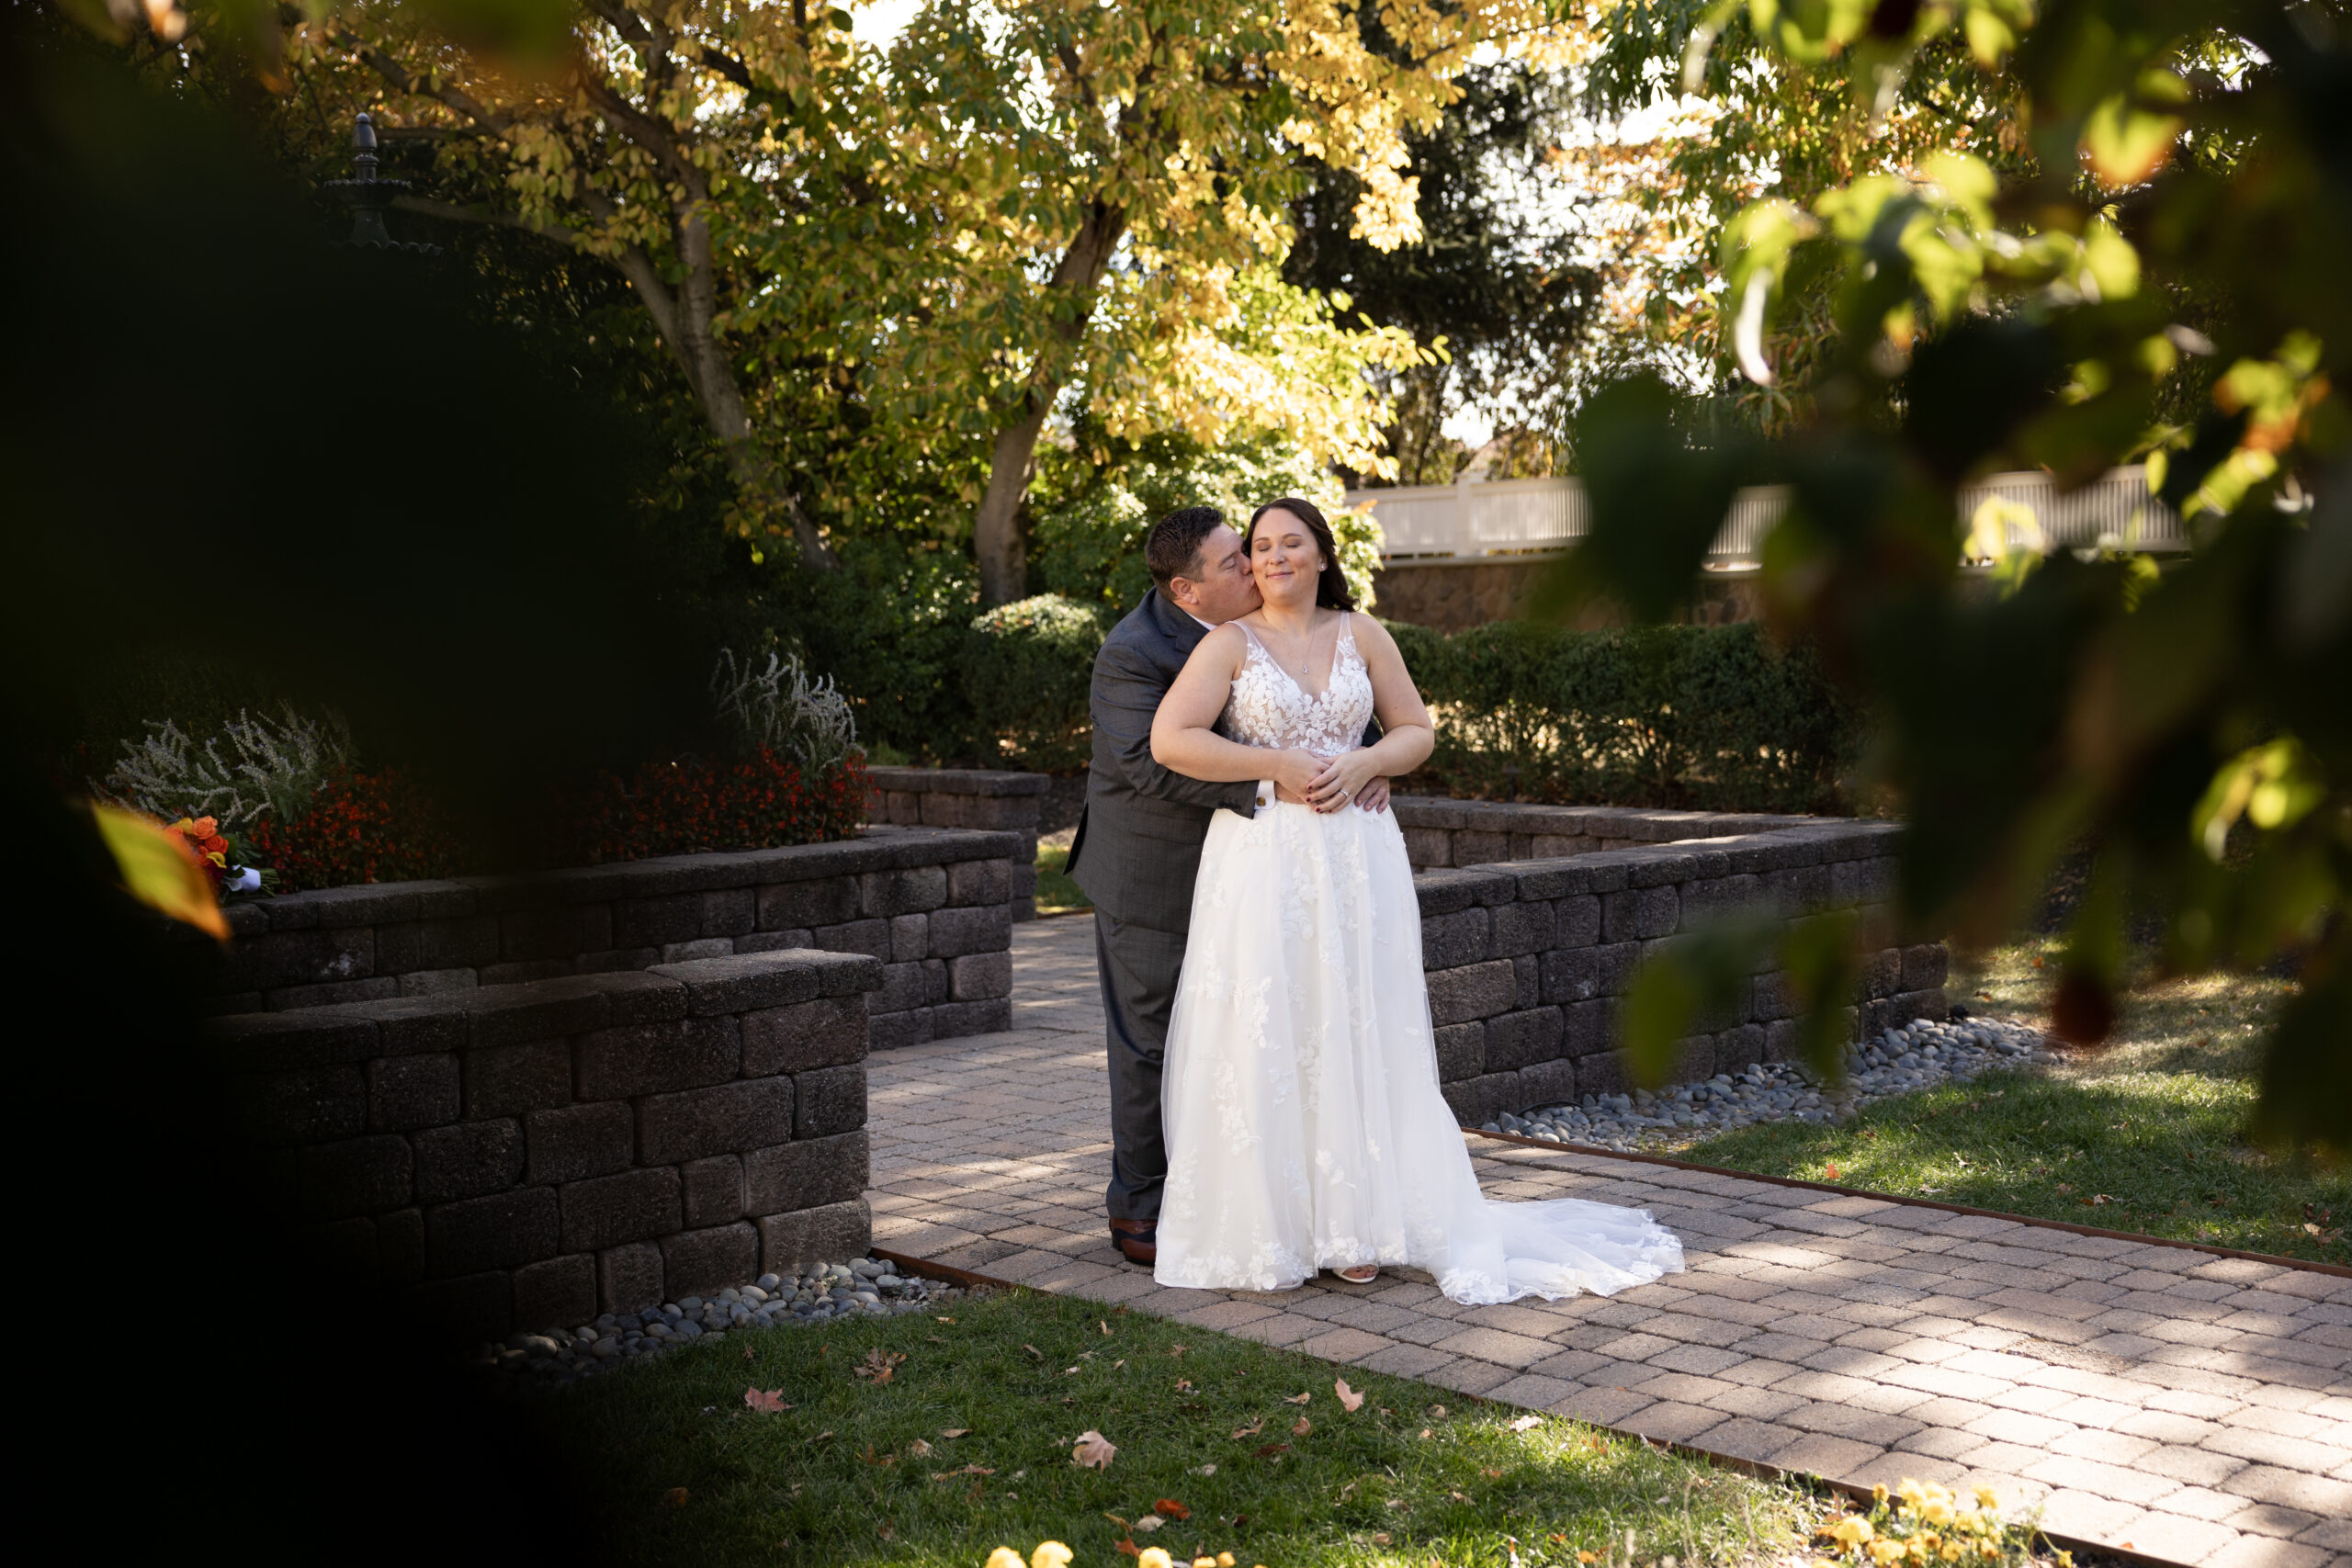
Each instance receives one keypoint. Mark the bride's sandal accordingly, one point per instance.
(1361, 1274)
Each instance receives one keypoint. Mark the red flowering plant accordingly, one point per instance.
(372, 826)
(798, 777)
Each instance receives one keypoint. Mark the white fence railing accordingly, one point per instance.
(1523, 517)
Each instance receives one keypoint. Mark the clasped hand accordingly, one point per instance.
(1329, 783)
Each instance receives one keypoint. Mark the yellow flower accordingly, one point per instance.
(1988, 1499)
(1154, 1557)
(1225, 1560)
(1851, 1531)
(1878, 1492)
(1910, 1491)
(1950, 1552)
(1006, 1557)
(1938, 1512)
(1204, 1562)
(1054, 1554)
(2066, 1559)
(1883, 1551)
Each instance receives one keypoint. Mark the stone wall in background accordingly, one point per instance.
(1455, 595)
(933, 906)
(1529, 958)
(998, 800)
(521, 1154)
(1440, 832)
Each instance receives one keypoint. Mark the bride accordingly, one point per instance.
(1304, 1123)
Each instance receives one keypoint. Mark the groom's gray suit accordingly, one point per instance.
(1135, 854)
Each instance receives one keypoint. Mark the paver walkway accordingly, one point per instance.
(2193, 1407)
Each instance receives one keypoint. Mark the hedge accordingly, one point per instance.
(1027, 668)
(1703, 718)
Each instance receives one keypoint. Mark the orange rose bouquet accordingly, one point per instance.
(226, 859)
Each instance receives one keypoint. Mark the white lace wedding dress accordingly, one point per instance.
(1305, 1127)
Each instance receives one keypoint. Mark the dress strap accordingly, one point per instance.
(1254, 644)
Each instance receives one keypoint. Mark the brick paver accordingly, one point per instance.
(2196, 1408)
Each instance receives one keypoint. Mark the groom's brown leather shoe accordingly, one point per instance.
(1137, 1240)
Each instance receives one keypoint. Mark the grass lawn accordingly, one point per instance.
(2142, 1135)
(1055, 891)
(1417, 1475)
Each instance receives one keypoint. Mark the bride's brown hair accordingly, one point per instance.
(1330, 586)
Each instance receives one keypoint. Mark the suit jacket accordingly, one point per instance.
(1137, 848)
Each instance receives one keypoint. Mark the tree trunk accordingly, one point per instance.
(996, 534)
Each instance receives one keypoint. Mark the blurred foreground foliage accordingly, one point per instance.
(2189, 728)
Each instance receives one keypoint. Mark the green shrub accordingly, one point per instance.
(1026, 676)
(1703, 718)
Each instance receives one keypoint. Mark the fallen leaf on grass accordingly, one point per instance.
(772, 1401)
(1126, 1547)
(1438, 1411)
(943, 1320)
(1270, 1449)
(1183, 1385)
(1252, 1430)
(1205, 1470)
(968, 1470)
(879, 1366)
(2096, 1201)
(1527, 1423)
(1300, 1399)
(1168, 1508)
(675, 1499)
(749, 1354)
(820, 1437)
(1833, 1170)
(1459, 1496)
(1494, 1475)
(1106, 1327)
(1380, 1538)
(1034, 1351)
(1300, 1427)
(955, 1431)
(1094, 1451)
(1350, 1400)
(1148, 1524)
(919, 1449)
(1177, 1349)
(888, 1529)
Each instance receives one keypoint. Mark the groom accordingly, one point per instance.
(1138, 843)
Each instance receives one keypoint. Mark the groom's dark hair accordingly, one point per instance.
(1172, 550)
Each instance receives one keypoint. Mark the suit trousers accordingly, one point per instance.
(1139, 967)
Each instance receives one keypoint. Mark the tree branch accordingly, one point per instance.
(451, 212)
(632, 28)
(426, 87)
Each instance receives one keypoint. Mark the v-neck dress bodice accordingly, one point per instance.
(1269, 708)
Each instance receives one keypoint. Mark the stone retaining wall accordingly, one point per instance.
(1440, 832)
(533, 1154)
(970, 797)
(934, 906)
(1527, 960)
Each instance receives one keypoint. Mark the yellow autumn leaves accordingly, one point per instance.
(1925, 1524)
(1054, 1554)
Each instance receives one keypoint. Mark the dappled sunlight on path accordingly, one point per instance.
(2196, 1407)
